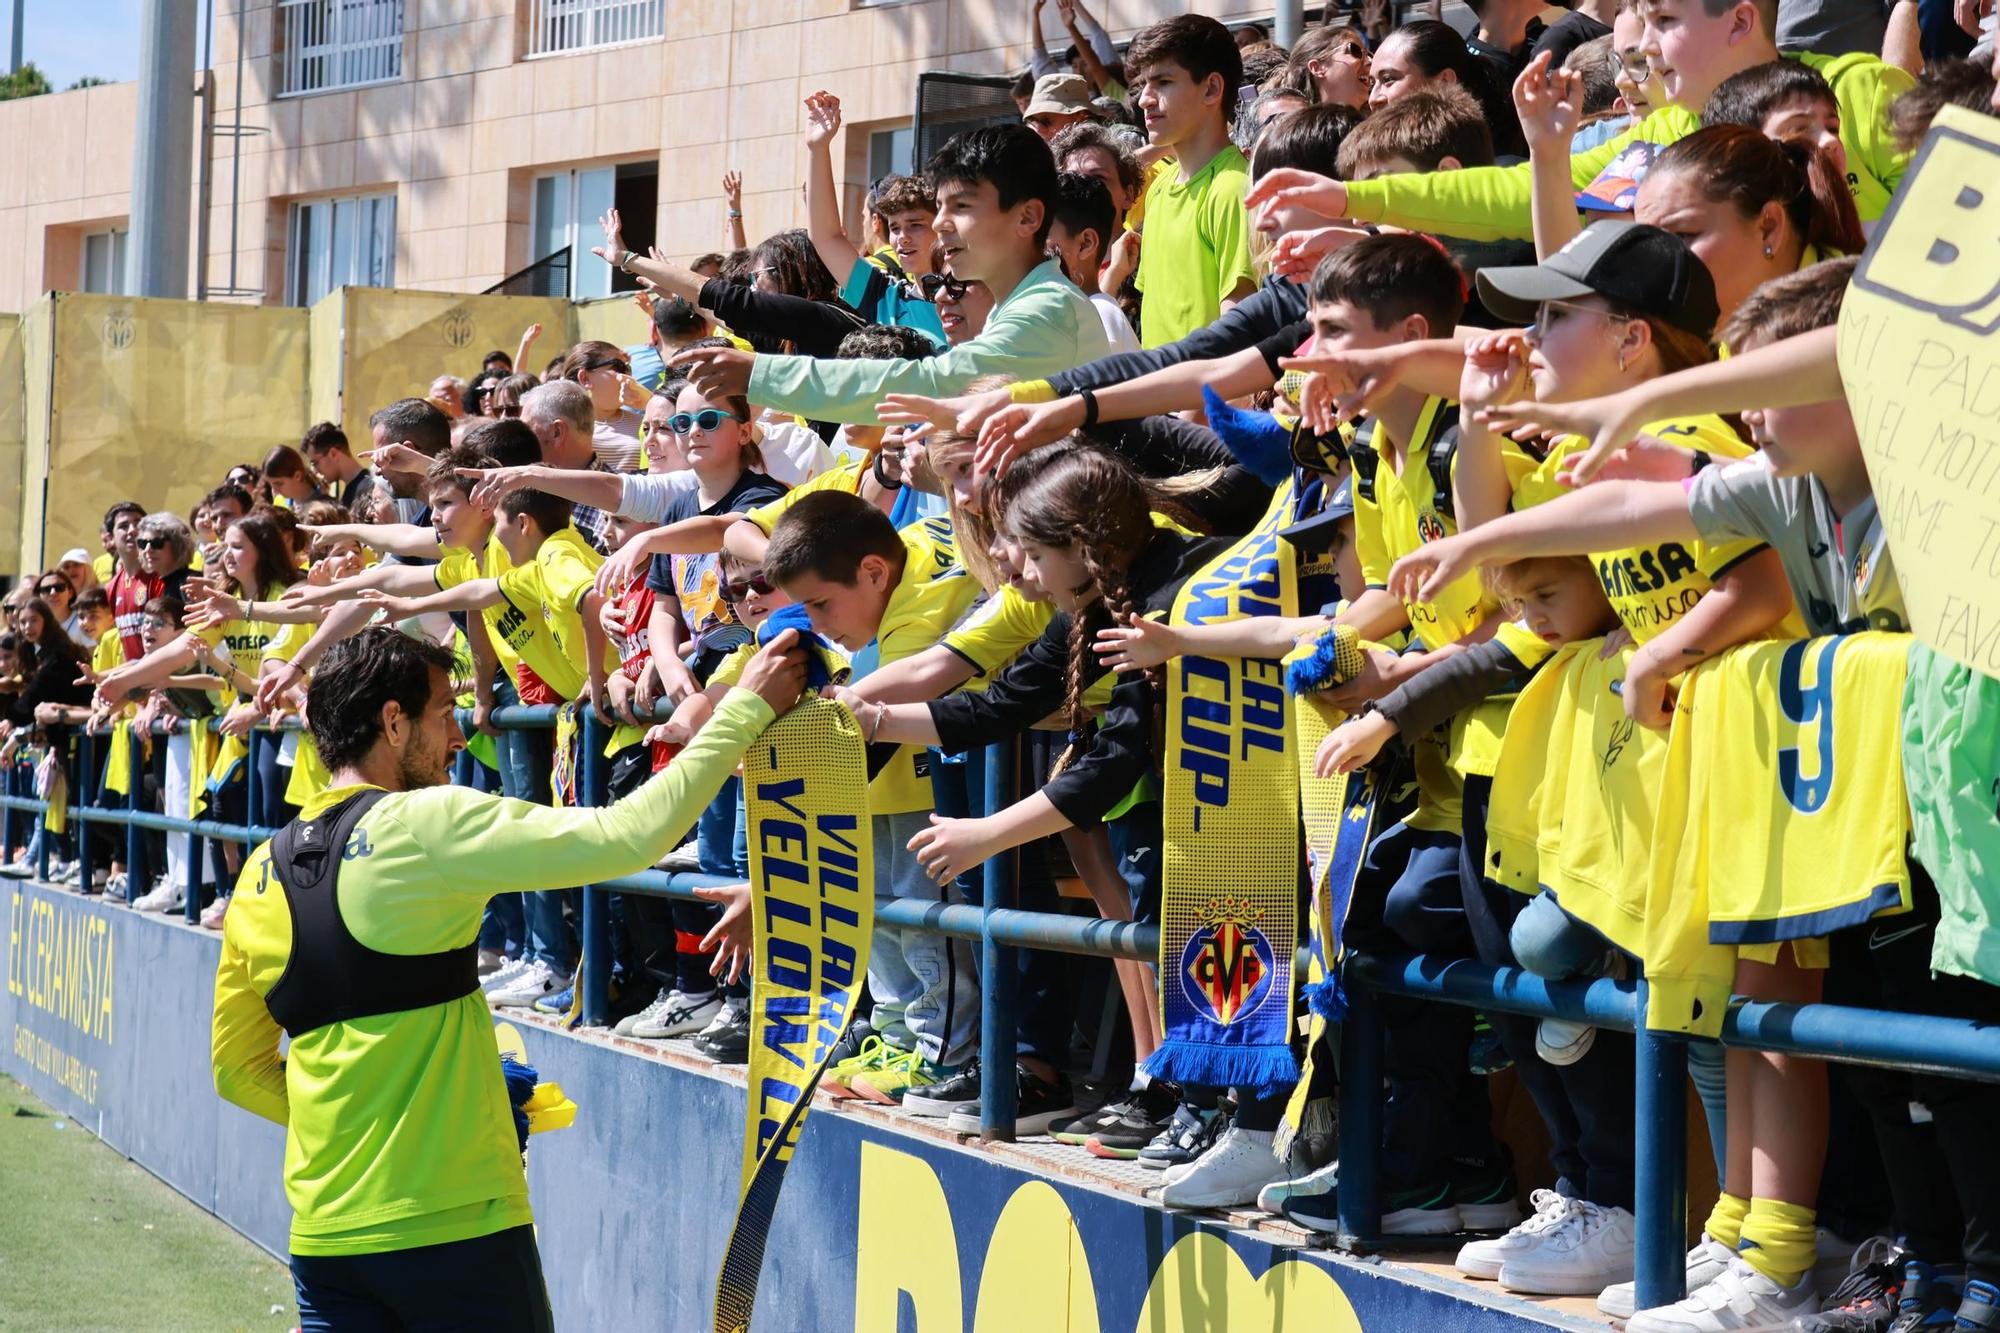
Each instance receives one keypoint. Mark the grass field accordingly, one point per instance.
(91, 1241)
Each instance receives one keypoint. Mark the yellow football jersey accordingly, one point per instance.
(1782, 813)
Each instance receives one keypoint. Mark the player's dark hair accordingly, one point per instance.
(1012, 157)
(357, 677)
(1392, 277)
(827, 534)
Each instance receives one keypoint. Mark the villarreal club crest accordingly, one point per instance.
(1227, 966)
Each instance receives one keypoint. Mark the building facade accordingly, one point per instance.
(449, 144)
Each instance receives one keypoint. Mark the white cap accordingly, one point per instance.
(75, 555)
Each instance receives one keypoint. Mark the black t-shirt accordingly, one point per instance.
(1566, 34)
(697, 579)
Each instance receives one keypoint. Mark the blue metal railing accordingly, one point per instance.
(1952, 1047)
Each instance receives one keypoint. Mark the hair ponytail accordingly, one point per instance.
(1823, 208)
(1739, 165)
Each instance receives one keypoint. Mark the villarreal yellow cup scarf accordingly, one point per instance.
(812, 875)
(1229, 915)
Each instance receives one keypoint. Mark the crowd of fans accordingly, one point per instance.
(983, 450)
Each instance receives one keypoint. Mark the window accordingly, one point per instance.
(331, 44)
(341, 243)
(104, 261)
(567, 205)
(556, 26)
(889, 152)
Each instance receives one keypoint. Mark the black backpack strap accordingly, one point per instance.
(330, 976)
(1442, 454)
(1362, 455)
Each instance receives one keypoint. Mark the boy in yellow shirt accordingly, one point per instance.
(881, 595)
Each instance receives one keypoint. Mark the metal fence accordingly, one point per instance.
(556, 27)
(330, 44)
(1911, 1042)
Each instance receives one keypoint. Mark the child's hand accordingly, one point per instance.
(399, 457)
(676, 681)
(1645, 459)
(669, 733)
(1289, 187)
(1426, 572)
(1120, 263)
(1609, 423)
(209, 606)
(618, 696)
(822, 120)
(1358, 378)
(1013, 431)
(730, 937)
(1496, 369)
(624, 566)
(1549, 100)
(1382, 671)
(950, 847)
(1648, 693)
(1353, 744)
(964, 414)
(732, 187)
(1298, 252)
(1616, 642)
(1138, 644)
(391, 606)
(239, 720)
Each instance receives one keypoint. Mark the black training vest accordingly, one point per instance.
(331, 977)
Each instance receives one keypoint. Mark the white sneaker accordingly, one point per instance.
(1561, 1042)
(1741, 1300)
(213, 914)
(168, 894)
(490, 961)
(654, 1010)
(730, 1015)
(1273, 1196)
(1228, 1175)
(1705, 1263)
(1586, 1251)
(535, 981)
(509, 972)
(682, 1017)
(687, 856)
(1485, 1258)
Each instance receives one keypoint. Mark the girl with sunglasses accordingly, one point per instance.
(606, 373)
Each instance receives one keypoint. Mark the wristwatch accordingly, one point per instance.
(1700, 460)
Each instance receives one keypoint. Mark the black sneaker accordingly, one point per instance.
(849, 1044)
(943, 1099)
(1038, 1105)
(1425, 1211)
(1192, 1132)
(727, 1040)
(1485, 1194)
(1928, 1300)
(1485, 1054)
(1124, 1128)
(1864, 1302)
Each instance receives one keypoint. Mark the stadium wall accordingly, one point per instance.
(105, 1016)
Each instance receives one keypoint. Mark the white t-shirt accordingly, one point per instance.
(1117, 329)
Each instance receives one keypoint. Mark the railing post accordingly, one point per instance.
(197, 872)
(7, 816)
(253, 791)
(998, 1012)
(1361, 1039)
(80, 797)
(135, 837)
(1660, 1175)
(596, 977)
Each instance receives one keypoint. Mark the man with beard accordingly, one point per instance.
(355, 933)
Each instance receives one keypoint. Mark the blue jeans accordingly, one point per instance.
(1551, 943)
(528, 760)
(489, 1282)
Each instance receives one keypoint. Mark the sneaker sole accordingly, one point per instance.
(1481, 1269)
(1491, 1217)
(869, 1092)
(1422, 1222)
(1563, 1056)
(1163, 1163)
(1096, 1149)
(1551, 1284)
(1033, 1126)
(931, 1110)
(513, 1001)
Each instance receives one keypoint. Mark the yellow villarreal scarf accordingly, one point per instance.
(1229, 915)
(812, 876)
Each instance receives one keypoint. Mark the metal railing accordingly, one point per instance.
(558, 27)
(329, 44)
(1916, 1042)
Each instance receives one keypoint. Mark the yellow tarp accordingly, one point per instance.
(13, 434)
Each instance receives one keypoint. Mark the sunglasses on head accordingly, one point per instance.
(152, 543)
(735, 590)
(709, 419)
(935, 284)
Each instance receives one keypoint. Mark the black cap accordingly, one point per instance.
(1636, 267)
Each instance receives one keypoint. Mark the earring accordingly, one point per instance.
(1769, 253)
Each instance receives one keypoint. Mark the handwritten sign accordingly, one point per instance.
(1921, 363)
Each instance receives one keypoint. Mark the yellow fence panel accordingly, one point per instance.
(397, 342)
(37, 337)
(13, 439)
(326, 352)
(153, 400)
(612, 319)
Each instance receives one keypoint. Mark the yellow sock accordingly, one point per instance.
(1778, 1240)
(1725, 1223)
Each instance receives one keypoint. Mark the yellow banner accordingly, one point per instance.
(812, 876)
(1922, 370)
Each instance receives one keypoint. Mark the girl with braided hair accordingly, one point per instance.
(1083, 522)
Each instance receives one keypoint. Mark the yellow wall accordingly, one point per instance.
(612, 319)
(36, 326)
(324, 355)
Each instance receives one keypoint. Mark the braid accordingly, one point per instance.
(1116, 598)
(1081, 728)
